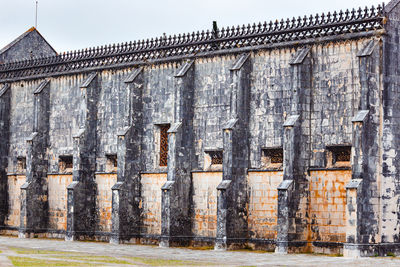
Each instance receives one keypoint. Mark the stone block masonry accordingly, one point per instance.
(126, 193)
(81, 210)
(34, 195)
(278, 136)
(5, 97)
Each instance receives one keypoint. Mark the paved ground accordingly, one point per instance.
(45, 252)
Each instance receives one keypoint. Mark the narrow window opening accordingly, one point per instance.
(21, 165)
(65, 164)
(112, 163)
(163, 145)
(272, 158)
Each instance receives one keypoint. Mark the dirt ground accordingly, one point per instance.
(46, 252)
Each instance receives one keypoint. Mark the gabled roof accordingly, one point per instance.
(22, 36)
(392, 4)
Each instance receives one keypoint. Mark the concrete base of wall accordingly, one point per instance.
(368, 250)
(281, 248)
(9, 232)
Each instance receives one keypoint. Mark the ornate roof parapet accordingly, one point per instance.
(324, 25)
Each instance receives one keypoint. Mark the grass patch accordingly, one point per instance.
(162, 262)
(24, 261)
(201, 248)
(52, 238)
(390, 254)
(335, 255)
(40, 251)
(102, 259)
(321, 254)
(250, 249)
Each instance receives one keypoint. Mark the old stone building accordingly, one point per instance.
(283, 136)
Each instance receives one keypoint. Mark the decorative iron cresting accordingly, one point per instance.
(330, 24)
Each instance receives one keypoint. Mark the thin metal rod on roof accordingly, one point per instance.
(36, 13)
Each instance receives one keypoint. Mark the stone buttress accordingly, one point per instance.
(5, 95)
(176, 196)
(34, 206)
(363, 210)
(81, 208)
(126, 194)
(296, 153)
(232, 192)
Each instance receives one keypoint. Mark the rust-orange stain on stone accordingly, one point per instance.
(104, 200)
(57, 186)
(327, 209)
(151, 202)
(14, 200)
(205, 203)
(263, 203)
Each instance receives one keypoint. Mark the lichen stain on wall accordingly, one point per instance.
(14, 202)
(151, 202)
(205, 203)
(104, 200)
(57, 190)
(263, 203)
(327, 208)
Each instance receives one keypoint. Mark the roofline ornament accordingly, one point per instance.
(336, 23)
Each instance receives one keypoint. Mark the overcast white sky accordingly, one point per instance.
(75, 24)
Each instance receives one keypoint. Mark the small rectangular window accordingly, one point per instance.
(112, 163)
(213, 159)
(342, 155)
(21, 164)
(216, 157)
(65, 164)
(272, 157)
(164, 144)
(338, 156)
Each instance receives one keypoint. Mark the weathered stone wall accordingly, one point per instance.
(388, 176)
(112, 113)
(14, 203)
(158, 108)
(151, 203)
(327, 208)
(241, 110)
(21, 120)
(5, 101)
(64, 115)
(263, 203)
(205, 203)
(332, 104)
(211, 103)
(270, 100)
(335, 96)
(335, 90)
(104, 197)
(57, 199)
